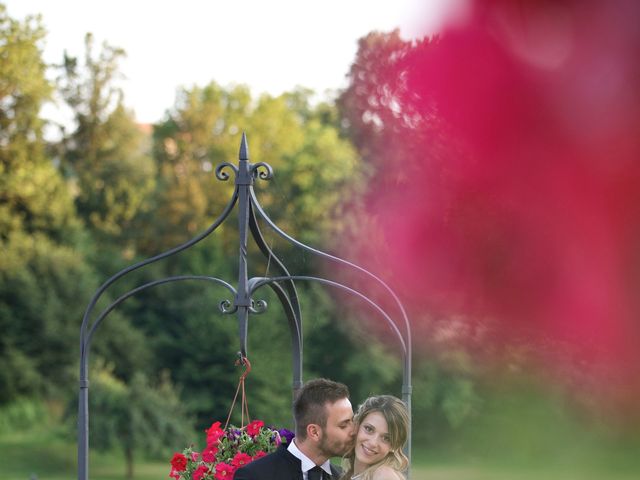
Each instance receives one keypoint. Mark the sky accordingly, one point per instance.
(272, 46)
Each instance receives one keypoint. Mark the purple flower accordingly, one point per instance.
(287, 435)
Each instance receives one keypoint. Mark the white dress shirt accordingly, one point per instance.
(306, 463)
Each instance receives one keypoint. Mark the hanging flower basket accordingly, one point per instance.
(227, 450)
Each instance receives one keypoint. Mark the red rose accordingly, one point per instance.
(241, 459)
(224, 471)
(174, 474)
(200, 472)
(179, 462)
(254, 427)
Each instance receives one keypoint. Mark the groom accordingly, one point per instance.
(324, 429)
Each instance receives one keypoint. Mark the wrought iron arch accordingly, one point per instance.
(243, 304)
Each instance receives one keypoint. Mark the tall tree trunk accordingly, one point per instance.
(128, 455)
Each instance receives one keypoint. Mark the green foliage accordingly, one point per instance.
(201, 131)
(138, 417)
(33, 197)
(193, 340)
(316, 170)
(40, 287)
(104, 156)
(315, 184)
(23, 86)
(340, 344)
(444, 399)
(21, 415)
(40, 283)
(187, 338)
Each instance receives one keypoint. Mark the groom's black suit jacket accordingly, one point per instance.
(279, 465)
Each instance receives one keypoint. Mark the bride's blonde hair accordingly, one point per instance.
(396, 415)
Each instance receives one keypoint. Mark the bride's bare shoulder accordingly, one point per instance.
(387, 473)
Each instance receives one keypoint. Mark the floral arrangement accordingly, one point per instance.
(227, 450)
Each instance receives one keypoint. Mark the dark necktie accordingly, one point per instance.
(315, 473)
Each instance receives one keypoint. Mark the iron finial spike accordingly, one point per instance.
(244, 148)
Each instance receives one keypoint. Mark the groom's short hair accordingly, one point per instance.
(310, 403)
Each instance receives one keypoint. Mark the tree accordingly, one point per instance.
(33, 196)
(105, 155)
(317, 172)
(316, 169)
(137, 417)
(44, 273)
(379, 109)
(38, 226)
(195, 137)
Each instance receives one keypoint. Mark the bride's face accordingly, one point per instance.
(373, 441)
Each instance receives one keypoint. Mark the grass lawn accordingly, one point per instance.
(432, 469)
(453, 472)
(47, 456)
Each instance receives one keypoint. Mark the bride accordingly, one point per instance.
(381, 425)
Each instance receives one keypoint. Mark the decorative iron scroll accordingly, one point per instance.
(242, 302)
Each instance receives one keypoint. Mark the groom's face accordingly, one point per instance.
(338, 435)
